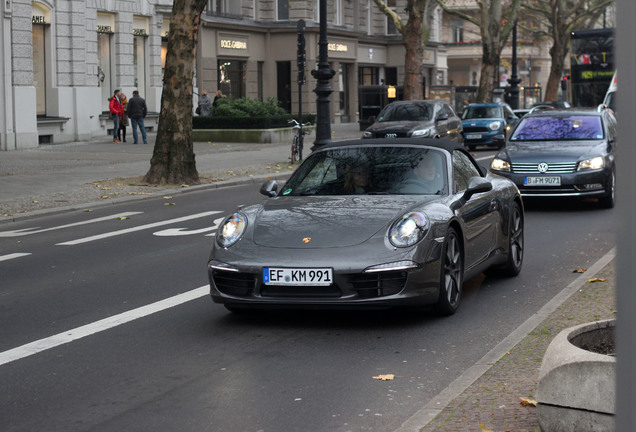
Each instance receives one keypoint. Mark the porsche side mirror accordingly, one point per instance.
(269, 188)
(442, 117)
(477, 185)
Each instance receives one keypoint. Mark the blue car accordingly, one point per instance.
(483, 122)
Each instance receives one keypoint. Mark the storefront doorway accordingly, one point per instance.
(284, 94)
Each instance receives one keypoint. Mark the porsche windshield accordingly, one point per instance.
(406, 112)
(559, 128)
(370, 171)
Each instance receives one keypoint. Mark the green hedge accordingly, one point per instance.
(247, 114)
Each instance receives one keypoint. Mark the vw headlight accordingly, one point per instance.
(231, 230)
(409, 229)
(500, 165)
(592, 164)
(494, 125)
(422, 133)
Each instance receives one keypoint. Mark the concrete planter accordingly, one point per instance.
(577, 380)
(258, 136)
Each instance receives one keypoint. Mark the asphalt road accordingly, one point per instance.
(106, 325)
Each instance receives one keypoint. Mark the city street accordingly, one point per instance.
(106, 324)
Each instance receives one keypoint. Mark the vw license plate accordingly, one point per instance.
(298, 276)
(473, 136)
(542, 181)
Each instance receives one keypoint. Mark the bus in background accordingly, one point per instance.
(610, 96)
(591, 65)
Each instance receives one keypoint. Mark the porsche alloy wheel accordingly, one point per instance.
(515, 249)
(451, 274)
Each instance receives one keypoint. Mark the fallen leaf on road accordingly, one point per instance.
(170, 203)
(139, 193)
(105, 188)
(167, 197)
(88, 210)
(185, 185)
(596, 280)
(123, 218)
(35, 202)
(485, 429)
(529, 402)
(579, 271)
(7, 214)
(387, 377)
(104, 197)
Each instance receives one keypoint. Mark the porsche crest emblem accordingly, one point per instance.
(306, 240)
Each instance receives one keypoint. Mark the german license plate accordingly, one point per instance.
(298, 276)
(473, 136)
(542, 181)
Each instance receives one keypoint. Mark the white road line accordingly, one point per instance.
(99, 326)
(12, 256)
(172, 232)
(138, 228)
(27, 231)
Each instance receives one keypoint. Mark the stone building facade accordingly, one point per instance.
(62, 59)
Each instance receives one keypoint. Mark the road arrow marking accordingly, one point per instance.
(173, 232)
(138, 228)
(35, 230)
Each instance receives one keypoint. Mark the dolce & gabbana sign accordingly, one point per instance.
(233, 44)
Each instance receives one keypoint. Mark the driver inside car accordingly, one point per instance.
(425, 177)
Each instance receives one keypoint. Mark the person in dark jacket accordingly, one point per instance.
(137, 111)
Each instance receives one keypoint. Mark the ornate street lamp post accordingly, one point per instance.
(514, 78)
(323, 74)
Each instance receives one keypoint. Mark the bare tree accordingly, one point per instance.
(415, 34)
(560, 17)
(495, 19)
(173, 160)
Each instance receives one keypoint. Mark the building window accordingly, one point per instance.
(337, 18)
(139, 63)
(225, 7)
(368, 76)
(282, 10)
(390, 25)
(259, 80)
(41, 20)
(105, 72)
(457, 27)
(231, 78)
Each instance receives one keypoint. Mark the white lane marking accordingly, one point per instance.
(12, 256)
(138, 228)
(172, 232)
(27, 231)
(99, 326)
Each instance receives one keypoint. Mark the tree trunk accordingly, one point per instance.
(489, 62)
(173, 159)
(413, 44)
(558, 53)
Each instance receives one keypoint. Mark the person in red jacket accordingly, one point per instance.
(116, 112)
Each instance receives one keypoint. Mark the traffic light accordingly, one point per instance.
(301, 53)
(564, 83)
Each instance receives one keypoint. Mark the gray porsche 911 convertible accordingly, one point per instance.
(382, 223)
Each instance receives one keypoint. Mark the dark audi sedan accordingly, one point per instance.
(563, 153)
(370, 224)
(416, 119)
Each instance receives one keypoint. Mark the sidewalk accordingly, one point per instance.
(87, 174)
(60, 176)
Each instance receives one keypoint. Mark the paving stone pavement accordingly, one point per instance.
(99, 172)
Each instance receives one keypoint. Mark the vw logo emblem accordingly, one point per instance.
(391, 135)
(542, 167)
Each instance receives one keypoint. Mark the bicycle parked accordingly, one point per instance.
(297, 142)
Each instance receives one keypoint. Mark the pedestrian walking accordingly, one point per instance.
(137, 111)
(116, 112)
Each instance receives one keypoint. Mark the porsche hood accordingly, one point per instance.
(319, 222)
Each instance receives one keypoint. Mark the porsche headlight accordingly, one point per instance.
(591, 164)
(494, 125)
(231, 230)
(500, 165)
(409, 229)
(422, 133)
